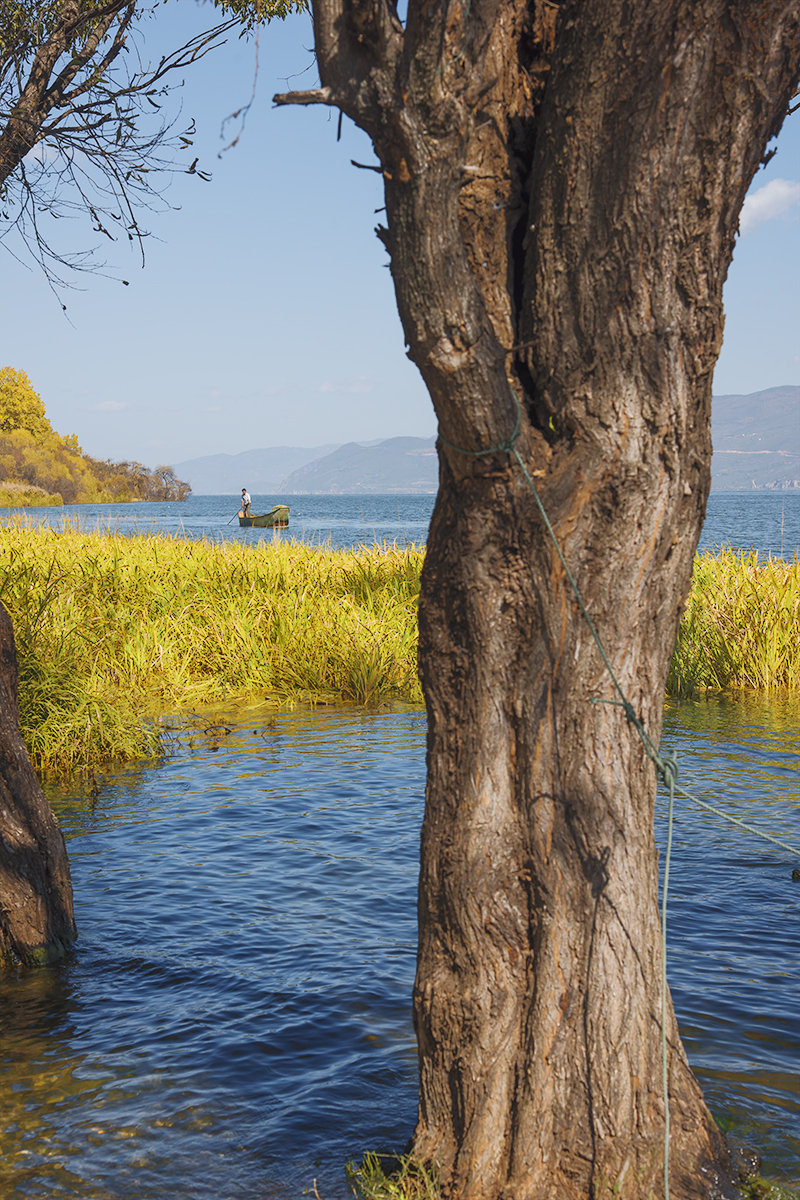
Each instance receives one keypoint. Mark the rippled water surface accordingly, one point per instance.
(734, 917)
(235, 1019)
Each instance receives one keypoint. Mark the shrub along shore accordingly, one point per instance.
(28, 495)
(112, 631)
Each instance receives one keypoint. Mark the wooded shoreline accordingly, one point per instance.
(112, 631)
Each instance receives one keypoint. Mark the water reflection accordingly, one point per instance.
(235, 1019)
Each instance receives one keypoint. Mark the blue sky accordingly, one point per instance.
(265, 314)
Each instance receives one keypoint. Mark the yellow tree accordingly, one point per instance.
(20, 406)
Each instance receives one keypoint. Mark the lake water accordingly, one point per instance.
(768, 521)
(234, 1022)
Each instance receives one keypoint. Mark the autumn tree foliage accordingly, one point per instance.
(20, 406)
(35, 459)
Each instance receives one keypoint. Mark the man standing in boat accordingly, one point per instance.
(245, 502)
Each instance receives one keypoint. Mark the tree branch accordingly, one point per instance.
(322, 95)
(55, 95)
(359, 44)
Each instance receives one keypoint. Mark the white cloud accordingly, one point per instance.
(772, 200)
(359, 385)
(108, 406)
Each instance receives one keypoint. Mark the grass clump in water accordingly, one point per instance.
(406, 1179)
(110, 629)
(741, 626)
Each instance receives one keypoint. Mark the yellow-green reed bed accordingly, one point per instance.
(741, 626)
(111, 630)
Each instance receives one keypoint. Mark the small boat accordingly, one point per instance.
(276, 518)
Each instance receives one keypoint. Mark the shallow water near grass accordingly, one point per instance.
(235, 1019)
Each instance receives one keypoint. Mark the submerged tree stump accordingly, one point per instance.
(36, 917)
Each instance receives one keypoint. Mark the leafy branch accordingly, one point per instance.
(83, 125)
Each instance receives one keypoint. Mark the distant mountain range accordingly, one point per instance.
(401, 464)
(262, 472)
(756, 445)
(756, 440)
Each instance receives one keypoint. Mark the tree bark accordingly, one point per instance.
(562, 193)
(36, 918)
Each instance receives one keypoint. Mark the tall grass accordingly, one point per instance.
(112, 629)
(741, 626)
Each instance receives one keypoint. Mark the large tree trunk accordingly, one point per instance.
(562, 191)
(538, 1005)
(36, 918)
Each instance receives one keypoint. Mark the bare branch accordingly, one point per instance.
(66, 93)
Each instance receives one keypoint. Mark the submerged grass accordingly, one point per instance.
(757, 1188)
(111, 630)
(384, 1177)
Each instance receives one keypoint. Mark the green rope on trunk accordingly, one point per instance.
(666, 764)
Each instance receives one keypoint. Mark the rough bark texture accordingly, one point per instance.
(36, 918)
(562, 193)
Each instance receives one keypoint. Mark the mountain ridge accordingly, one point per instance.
(401, 464)
(756, 445)
(260, 471)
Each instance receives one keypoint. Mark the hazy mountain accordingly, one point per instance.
(401, 464)
(756, 444)
(756, 440)
(260, 471)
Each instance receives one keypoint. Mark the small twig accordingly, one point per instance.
(366, 166)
